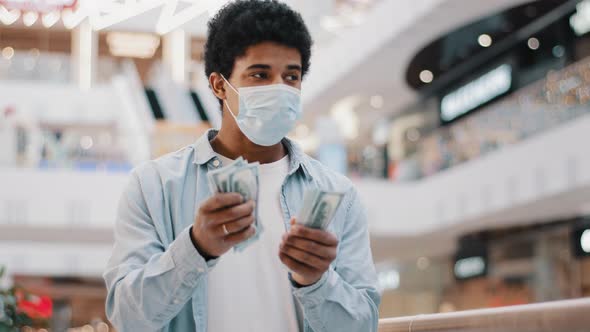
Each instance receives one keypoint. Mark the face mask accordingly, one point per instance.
(267, 113)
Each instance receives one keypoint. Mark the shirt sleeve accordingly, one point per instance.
(147, 282)
(346, 297)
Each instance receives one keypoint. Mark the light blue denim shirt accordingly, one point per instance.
(157, 280)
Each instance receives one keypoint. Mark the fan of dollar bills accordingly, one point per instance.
(319, 208)
(241, 177)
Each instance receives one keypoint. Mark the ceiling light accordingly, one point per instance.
(580, 21)
(8, 16)
(8, 52)
(484, 40)
(29, 18)
(558, 51)
(49, 19)
(533, 43)
(71, 18)
(426, 76)
(376, 101)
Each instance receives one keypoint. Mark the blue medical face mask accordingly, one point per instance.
(267, 113)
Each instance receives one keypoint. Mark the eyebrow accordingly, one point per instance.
(259, 66)
(294, 67)
(263, 66)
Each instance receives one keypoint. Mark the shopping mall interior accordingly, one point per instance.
(464, 126)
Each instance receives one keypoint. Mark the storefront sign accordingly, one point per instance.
(476, 93)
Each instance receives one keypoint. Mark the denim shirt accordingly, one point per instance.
(157, 280)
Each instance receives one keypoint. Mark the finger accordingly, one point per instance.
(316, 235)
(305, 258)
(235, 226)
(220, 201)
(232, 213)
(296, 266)
(311, 247)
(238, 237)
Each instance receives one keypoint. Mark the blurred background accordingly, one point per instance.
(464, 124)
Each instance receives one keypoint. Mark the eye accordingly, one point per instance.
(293, 77)
(260, 75)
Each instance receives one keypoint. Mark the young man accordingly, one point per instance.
(172, 268)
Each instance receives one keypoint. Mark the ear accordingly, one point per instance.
(217, 84)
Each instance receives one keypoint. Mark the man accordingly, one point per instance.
(172, 268)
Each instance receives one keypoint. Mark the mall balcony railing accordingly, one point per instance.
(560, 316)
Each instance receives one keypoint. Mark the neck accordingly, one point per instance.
(231, 143)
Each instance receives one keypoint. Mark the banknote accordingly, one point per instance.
(319, 207)
(240, 177)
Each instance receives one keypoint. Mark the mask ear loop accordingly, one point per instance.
(225, 100)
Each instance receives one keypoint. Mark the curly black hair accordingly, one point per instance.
(244, 23)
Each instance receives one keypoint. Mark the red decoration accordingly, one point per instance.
(36, 307)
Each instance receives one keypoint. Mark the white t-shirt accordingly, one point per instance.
(250, 291)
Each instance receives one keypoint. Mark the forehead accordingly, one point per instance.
(269, 53)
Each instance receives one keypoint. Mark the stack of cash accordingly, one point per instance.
(240, 177)
(319, 208)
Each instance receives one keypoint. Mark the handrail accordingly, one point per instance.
(569, 315)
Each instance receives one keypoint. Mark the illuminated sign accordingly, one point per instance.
(585, 241)
(388, 280)
(41, 6)
(470, 267)
(580, 240)
(476, 93)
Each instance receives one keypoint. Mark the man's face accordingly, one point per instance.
(264, 64)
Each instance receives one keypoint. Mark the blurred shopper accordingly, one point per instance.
(172, 268)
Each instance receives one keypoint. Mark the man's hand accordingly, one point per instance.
(307, 252)
(223, 221)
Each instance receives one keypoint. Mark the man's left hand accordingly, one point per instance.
(307, 252)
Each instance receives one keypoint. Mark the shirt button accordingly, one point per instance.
(216, 163)
(176, 301)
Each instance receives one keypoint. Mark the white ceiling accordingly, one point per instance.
(383, 71)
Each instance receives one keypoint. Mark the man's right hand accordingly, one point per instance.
(223, 221)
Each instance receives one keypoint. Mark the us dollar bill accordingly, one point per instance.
(319, 207)
(241, 177)
(245, 182)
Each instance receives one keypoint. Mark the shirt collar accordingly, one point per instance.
(297, 159)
